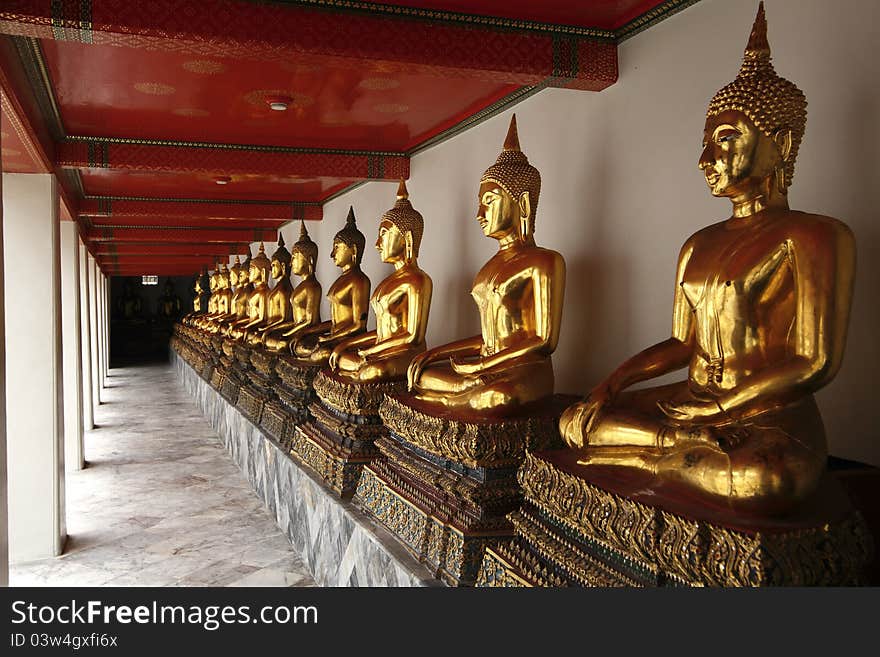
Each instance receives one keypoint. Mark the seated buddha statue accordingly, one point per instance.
(258, 277)
(305, 299)
(519, 295)
(243, 288)
(278, 310)
(196, 303)
(349, 298)
(401, 303)
(168, 306)
(223, 302)
(759, 318)
(211, 305)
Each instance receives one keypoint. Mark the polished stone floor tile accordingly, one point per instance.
(160, 503)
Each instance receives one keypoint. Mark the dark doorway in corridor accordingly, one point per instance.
(143, 310)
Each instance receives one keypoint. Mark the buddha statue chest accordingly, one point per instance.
(257, 302)
(739, 287)
(504, 293)
(341, 296)
(390, 304)
(279, 303)
(300, 298)
(240, 303)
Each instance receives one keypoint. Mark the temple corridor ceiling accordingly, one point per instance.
(182, 130)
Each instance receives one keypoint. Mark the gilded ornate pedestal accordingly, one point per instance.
(609, 526)
(445, 482)
(340, 438)
(259, 388)
(293, 393)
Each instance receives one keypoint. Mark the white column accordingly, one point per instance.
(4, 508)
(88, 417)
(105, 356)
(106, 284)
(71, 340)
(93, 321)
(34, 391)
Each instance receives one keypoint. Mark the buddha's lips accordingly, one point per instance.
(712, 177)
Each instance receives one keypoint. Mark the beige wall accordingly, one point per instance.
(621, 190)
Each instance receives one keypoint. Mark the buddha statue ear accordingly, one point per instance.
(354, 257)
(525, 216)
(408, 241)
(783, 139)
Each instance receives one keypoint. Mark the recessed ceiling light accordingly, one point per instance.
(279, 103)
(222, 180)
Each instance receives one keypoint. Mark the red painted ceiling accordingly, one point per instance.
(155, 101)
(603, 14)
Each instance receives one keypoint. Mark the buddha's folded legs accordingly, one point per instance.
(523, 383)
(769, 461)
(390, 365)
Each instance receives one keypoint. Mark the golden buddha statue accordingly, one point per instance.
(223, 302)
(243, 288)
(213, 289)
(349, 298)
(196, 302)
(401, 303)
(305, 299)
(278, 311)
(258, 278)
(519, 294)
(760, 318)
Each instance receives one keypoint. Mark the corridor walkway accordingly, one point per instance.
(160, 502)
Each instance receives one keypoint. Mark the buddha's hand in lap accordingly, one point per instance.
(414, 371)
(468, 368)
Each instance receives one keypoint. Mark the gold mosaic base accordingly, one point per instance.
(337, 465)
(452, 554)
(575, 530)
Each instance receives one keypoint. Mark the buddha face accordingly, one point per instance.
(277, 269)
(737, 158)
(233, 276)
(299, 264)
(342, 254)
(391, 243)
(498, 214)
(253, 273)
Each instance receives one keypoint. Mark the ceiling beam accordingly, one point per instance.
(168, 234)
(161, 249)
(228, 160)
(182, 211)
(407, 41)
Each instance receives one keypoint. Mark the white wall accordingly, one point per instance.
(621, 189)
(34, 420)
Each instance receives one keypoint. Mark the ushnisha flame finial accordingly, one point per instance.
(513, 173)
(406, 218)
(351, 236)
(770, 101)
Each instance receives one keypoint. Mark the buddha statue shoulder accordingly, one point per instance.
(278, 301)
(760, 317)
(258, 277)
(519, 294)
(304, 299)
(349, 297)
(401, 303)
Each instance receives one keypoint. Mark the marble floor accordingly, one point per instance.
(160, 503)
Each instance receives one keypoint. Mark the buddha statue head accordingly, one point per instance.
(348, 244)
(235, 272)
(223, 277)
(304, 254)
(754, 127)
(280, 264)
(400, 231)
(509, 191)
(214, 280)
(259, 266)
